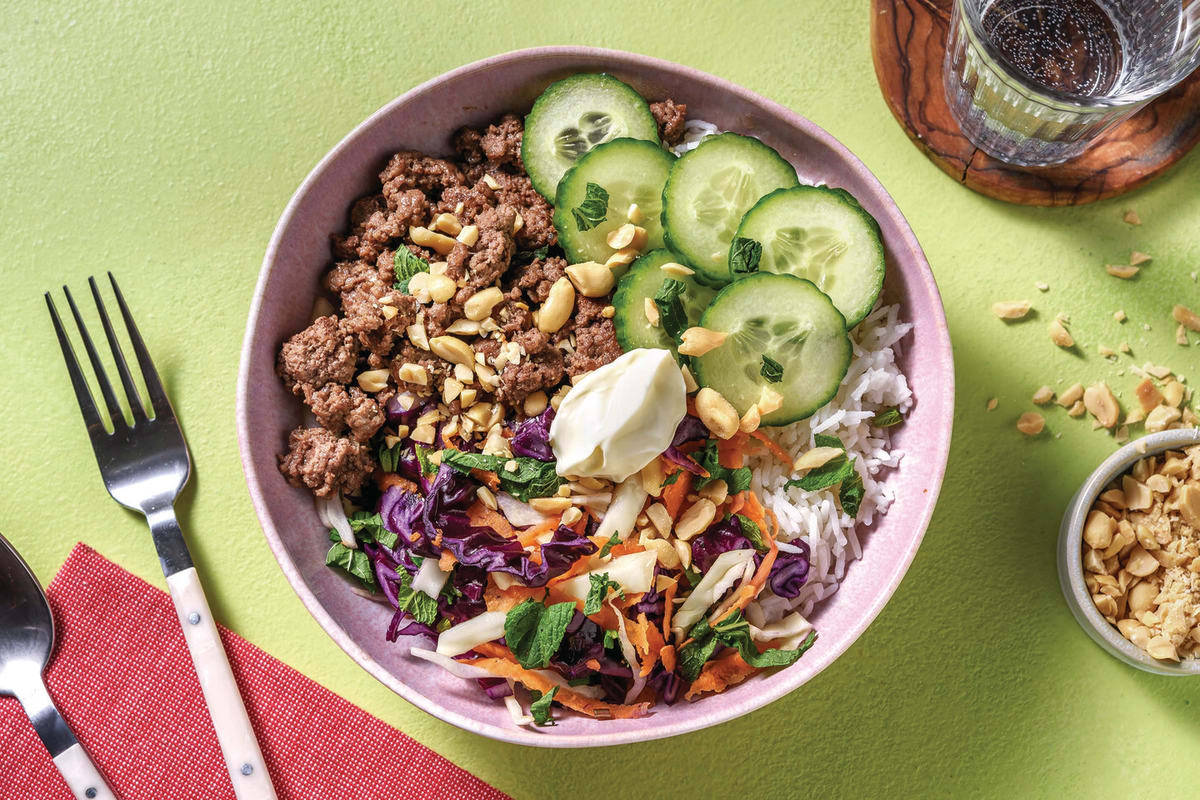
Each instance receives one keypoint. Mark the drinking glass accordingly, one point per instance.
(1035, 82)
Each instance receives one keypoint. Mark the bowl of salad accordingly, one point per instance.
(587, 398)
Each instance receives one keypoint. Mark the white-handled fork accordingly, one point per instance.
(144, 463)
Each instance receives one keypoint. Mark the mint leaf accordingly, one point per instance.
(539, 709)
(611, 639)
(744, 255)
(887, 418)
(369, 528)
(830, 473)
(534, 632)
(752, 532)
(389, 457)
(531, 478)
(669, 300)
(610, 544)
(598, 591)
(674, 476)
(693, 576)
(738, 480)
(851, 494)
(523, 257)
(407, 265)
(427, 467)
(354, 562)
(420, 606)
(693, 657)
(594, 208)
(772, 370)
(733, 631)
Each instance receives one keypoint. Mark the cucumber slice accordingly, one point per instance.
(708, 192)
(825, 236)
(642, 282)
(791, 321)
(631, 171)
(574, 115)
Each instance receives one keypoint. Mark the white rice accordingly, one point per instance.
(873, 383)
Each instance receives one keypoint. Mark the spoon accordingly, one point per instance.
(26, 639)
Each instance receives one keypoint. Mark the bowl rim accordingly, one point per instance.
(1070, 555)
(920, 282)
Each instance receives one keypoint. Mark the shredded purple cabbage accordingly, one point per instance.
(689, 430)
(532, 437)
(788, 573)
(495, 688)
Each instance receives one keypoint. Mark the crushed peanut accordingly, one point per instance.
(1141, 554)
(1031, 423)
(1059, 334)
(1121, 271)
(1011, 309)
(1137, 258)
(1119, 315)
(1131, 217)
(1186, 318)
(1043, 396)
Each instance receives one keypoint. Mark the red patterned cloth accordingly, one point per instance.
(122, 677)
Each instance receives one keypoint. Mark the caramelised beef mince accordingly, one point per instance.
(478, 223)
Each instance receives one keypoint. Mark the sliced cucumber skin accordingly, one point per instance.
(864, 271)
(617, 166)
(811, 378)
(563, 103)
(642, 281)
(704, 244)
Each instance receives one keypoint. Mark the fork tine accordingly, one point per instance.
(115, 414)
(91, 417)
(158, 395)
(135, 399)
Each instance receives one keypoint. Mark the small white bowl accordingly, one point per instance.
(1070, 555)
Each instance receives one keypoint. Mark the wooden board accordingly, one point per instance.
(908, 42)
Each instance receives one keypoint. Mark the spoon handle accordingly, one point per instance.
(81, 774)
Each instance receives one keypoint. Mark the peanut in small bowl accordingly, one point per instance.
(1123, 601)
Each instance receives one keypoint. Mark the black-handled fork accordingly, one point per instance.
(145, 464)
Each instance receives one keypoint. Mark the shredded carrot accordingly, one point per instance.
(636, 631)
(674, 495)
(592, 664)
(386, 480)
(488, 479)
(578, 568)
(498, 600)
(626, 547)
(567, 697)
(530, 535)
(775, 449)
(719, 674)
(730, 451)
(654, 644)
(736, 502)
(481, 516)
(667, 656)
(447, 561)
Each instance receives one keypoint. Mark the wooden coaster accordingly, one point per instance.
(908, 42)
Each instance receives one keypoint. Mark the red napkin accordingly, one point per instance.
(122, 677)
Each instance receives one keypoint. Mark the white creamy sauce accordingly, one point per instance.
(620, 417)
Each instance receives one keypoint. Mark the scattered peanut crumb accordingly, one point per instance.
(1145, 326)
(1031, 423)
(1106, 351)
(1077, 410)
(1137, 258)
(1011, 309)
(1043, 396)
(1119, 271)
(1186, 317)
(1181, 336)
(1119, 315)
(1042, 286)
(992, 403)
(1123, 347)
(1132, 217)
(1059, 335)
(1071, 396)
(1101, 403)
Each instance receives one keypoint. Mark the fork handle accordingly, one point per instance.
(243, 758)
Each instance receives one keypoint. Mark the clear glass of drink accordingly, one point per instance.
(1035, 82)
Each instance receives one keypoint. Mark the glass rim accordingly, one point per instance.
(1060, 101)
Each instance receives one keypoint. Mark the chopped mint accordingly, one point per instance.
(539, 709)
(534, 632)
(531, 478)
(594, 208)
(407, 265)
(772, 370)
(887, 418)
(744, 255)
(669, 301)
(600, 584)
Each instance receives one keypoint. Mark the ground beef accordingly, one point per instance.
(670, 117)
(321, 353)
(377, 221)
(595, 337)
(513, 314)
(326, 463)
(439, 316)
(541, 368)
(338, 408)
(538, 215)
(362, 287)
(411, 170)
(494, 251)
(499, 145)
(536, 277)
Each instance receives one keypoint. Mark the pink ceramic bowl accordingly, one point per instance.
(423, 119)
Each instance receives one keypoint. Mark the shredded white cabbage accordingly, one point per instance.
(726, 570)
(521, 515)
(633, 573)
(464, 636)
(627, 502)
(519, 717)
(455, 668)
(630, 654)
(332, 515)
(791, 630)
(430, 578)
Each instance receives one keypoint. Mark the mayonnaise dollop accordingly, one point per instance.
(618, 418)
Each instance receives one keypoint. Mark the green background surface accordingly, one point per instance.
(162, 142)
